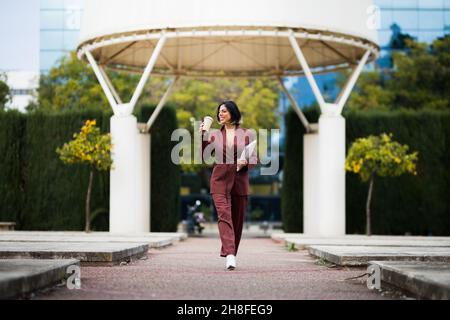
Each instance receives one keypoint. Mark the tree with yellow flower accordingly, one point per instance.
(381, 156)
(91, 148)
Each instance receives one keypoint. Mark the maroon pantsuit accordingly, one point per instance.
(229, 188)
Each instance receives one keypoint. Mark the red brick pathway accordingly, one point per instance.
(192, 269)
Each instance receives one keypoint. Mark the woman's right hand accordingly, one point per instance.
(201, 127)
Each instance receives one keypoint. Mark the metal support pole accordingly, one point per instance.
(110, 85)
(102, 81)
(294, 104)
(351, 83)
(307, 70)
(147, 71)
(161, 104)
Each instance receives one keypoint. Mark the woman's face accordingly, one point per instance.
(224, 115)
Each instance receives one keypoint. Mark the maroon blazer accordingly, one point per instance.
(225, 179)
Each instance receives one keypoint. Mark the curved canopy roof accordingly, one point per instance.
(232, 37)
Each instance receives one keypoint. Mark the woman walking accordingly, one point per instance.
(229, 182)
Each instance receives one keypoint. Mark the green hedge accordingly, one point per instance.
(165, 175)
(54, 192)
(417, 205)
(39, 192)
(12, 197)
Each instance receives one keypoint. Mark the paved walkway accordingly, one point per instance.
(192, 269)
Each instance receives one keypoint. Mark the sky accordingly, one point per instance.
(19, 35)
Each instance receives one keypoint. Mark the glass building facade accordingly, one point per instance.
(423, 20)
(60, 22)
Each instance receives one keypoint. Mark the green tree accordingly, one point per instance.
(257, 100)
(5, 95)
(422, 75)
(71, 84)
(91, 148)
(419, 79)
(379, 156)
(398, 38)
(370, 93)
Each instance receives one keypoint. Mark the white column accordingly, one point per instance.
(123, 176)
(311, 198)
(149, 182)
(130, 176)
(143, 182)
(330, 185)
(331, 175)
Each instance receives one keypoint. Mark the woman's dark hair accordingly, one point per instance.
(232, 109)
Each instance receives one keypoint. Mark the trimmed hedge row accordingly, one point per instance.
(165, 175)
(417, 205)
(39, 192)
(55, 192)
(12, 196)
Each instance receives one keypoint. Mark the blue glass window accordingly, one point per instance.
(430, 20)
(410, 4)
(429, 36)
(51, 40)
(74, 3)
(447, 18)
(406, 19)
(48, 59)
(70, 40)
(431, 4)
(384, 3)
(52, 4)
(52, 19)
(384, 37)
(386, 19)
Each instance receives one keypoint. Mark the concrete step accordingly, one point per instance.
(152, 242)
(108, 253)
(306, 243)
(18, 277)
(428, 280)
(361, 255)
(154, 239)
(303, 242)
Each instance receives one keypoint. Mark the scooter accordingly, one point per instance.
(199, 221)
(195, 219)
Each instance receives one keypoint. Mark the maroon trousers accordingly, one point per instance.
(230, 217)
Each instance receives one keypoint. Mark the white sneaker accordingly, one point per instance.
(231, 262)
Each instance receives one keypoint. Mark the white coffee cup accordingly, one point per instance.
(207, 122)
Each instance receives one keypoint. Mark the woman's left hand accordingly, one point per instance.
(242, 162)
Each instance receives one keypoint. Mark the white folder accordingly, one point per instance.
(247, 152)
